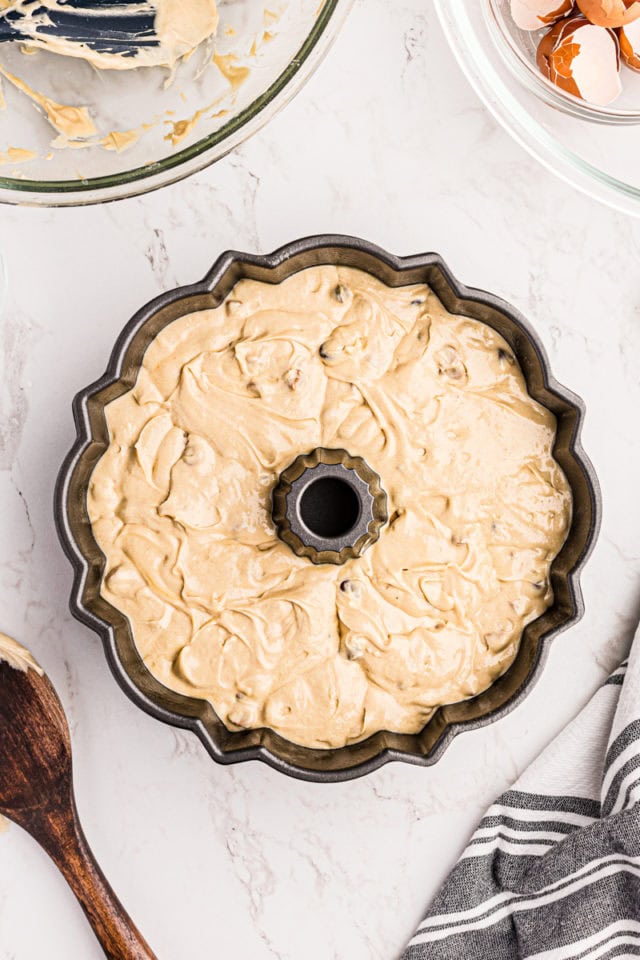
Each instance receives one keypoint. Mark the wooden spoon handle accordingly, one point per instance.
(66, 844)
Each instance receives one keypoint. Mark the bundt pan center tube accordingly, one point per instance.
(329, 506)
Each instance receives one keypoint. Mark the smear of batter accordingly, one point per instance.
(16, 155)
(17, 656)
(180, 26)
(221, 609)
(73, 123)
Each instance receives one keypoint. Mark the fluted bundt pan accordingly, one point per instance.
(199, 716)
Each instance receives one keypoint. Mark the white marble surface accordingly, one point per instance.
(388, 142)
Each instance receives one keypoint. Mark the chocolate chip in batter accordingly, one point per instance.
(353, 587)
(450, 365)
(341, 293)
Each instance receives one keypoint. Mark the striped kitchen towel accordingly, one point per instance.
(553, 870)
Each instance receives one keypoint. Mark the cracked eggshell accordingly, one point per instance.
(630, 44)
(610, 13)
(534, 14)
(582, 59)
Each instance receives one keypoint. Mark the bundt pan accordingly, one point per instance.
(77, 539)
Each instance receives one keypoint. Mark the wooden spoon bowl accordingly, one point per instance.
(36, 792)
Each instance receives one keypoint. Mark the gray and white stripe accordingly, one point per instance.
(552, 871)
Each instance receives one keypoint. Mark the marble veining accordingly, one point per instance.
(387, 141)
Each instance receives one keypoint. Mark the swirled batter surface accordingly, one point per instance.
(223, 610)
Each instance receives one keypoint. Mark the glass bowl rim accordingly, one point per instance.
(202, 153)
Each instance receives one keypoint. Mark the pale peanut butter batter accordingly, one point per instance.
(221, 609)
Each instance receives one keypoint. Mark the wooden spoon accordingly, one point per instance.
(36, 792)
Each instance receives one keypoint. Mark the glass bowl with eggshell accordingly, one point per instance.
(75, 134)
(594, 148)
(605, 61)
(77, 536)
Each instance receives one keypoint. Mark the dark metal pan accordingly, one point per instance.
(77, 539)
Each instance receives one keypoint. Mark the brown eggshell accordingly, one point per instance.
(610, 13)
(546, 60)
(630, 44)
(558, 59)
(535, 14)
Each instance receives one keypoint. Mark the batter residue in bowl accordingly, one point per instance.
(221, 609)
(180, 26)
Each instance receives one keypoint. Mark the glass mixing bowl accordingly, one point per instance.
(594, 148)
(154, 127)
